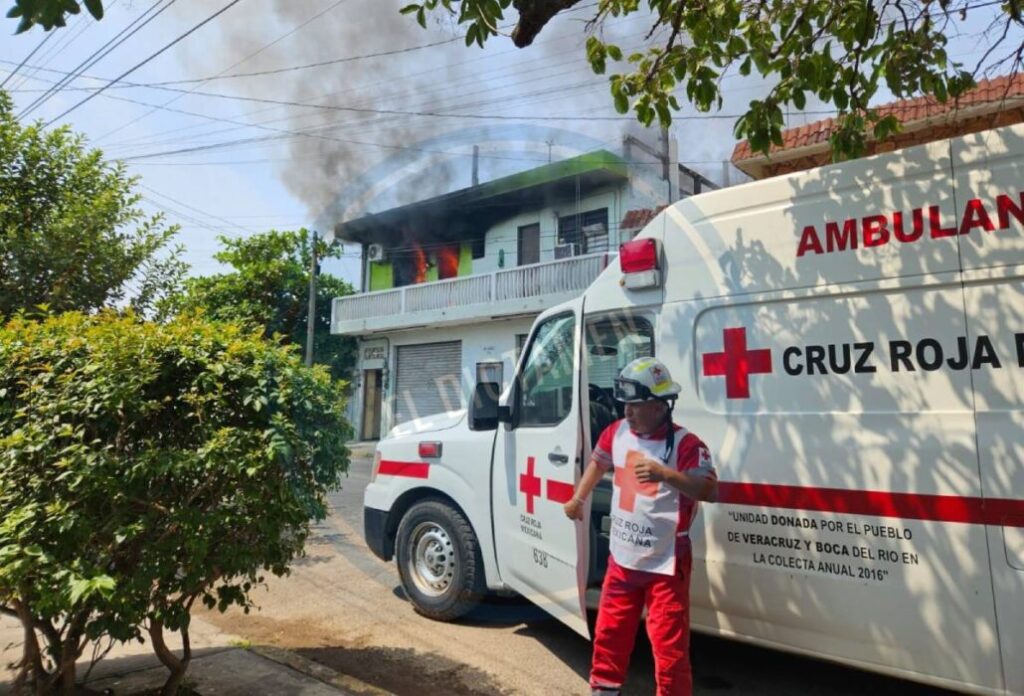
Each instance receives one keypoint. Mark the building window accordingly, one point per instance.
(478, 247)
(583, 233)
(528, 250)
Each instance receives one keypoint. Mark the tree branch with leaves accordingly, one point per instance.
(841, 53)
(50, 14)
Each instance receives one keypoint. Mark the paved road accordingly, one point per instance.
(343, 607)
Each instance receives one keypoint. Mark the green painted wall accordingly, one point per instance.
(381, 276)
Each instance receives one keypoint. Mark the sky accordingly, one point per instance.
(290, 113)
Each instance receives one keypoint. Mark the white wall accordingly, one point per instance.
(505, 234)
(489, 340)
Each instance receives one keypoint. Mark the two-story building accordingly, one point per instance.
(451, 285)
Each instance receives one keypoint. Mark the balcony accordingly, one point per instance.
(521, 290)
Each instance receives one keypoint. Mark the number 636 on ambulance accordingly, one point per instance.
(850, 343)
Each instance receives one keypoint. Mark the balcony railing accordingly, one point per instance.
(571, 275)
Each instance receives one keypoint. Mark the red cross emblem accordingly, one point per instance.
(736, 363)
(529, 484)
(656, 371)
(629, 487)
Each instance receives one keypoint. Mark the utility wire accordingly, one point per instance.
(146, 60)
(513, 70)
(288, 134)
(99, 54)
(26, 59)
(306, 66)
(193, 208)
(68, 36)
(233, 65)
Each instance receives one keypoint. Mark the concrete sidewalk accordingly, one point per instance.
(221, 665)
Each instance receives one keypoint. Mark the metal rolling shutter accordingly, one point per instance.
(428, 380)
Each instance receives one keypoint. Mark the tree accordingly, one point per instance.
(72, 236)
(145, 467)
(268, 287)
(839, 52)
(50, 13)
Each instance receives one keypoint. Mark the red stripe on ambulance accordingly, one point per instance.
(419, 470)
(909, 506)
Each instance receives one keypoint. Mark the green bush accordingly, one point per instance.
(144, 467)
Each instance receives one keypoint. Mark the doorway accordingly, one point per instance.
(372, 398)
(528, 250)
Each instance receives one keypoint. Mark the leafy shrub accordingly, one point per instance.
(144, 467)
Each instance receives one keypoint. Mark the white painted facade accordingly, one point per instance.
(484, 341)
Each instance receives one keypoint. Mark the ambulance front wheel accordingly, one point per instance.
(439, 561)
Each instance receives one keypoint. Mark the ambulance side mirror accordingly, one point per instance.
(483, 408)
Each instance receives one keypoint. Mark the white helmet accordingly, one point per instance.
(645, 379)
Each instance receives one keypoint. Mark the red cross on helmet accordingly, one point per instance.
(645, 379)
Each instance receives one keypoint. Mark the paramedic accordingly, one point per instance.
(661, 471)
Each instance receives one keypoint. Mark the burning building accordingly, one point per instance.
(452, 284)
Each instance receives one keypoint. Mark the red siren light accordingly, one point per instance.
(638, 261)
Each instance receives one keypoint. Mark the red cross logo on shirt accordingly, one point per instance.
(736, 363)
(529, 484)
(629, 487)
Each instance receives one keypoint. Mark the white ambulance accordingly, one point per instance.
(850, 342)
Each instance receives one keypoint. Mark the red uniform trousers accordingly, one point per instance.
(667, 597)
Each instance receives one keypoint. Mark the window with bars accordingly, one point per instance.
(587, 232)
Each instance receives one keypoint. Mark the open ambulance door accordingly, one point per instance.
(541, 553)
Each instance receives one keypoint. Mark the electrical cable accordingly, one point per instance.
(143, 62)
(192, 208)
(26, 59)
(99, 54)
(68, 37)
(233, 65)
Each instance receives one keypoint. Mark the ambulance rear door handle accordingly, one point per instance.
(556, 458)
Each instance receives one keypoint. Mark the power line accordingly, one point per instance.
(306, 66)
(514, 69)
(146, 60)
(68, 37)
(99, 54)
(441, 114)
(26, 58)
(233, 65)
(286, 133)
(192, 208)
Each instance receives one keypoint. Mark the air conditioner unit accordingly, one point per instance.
(375, 252)
(566, 251)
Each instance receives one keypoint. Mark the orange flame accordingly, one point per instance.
(419, 259)
(447, 262)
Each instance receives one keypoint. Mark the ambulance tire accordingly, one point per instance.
(439, 561)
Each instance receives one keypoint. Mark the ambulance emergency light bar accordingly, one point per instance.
(638, 261)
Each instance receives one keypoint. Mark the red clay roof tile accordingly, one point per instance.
(634, 219)
(906, 110)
